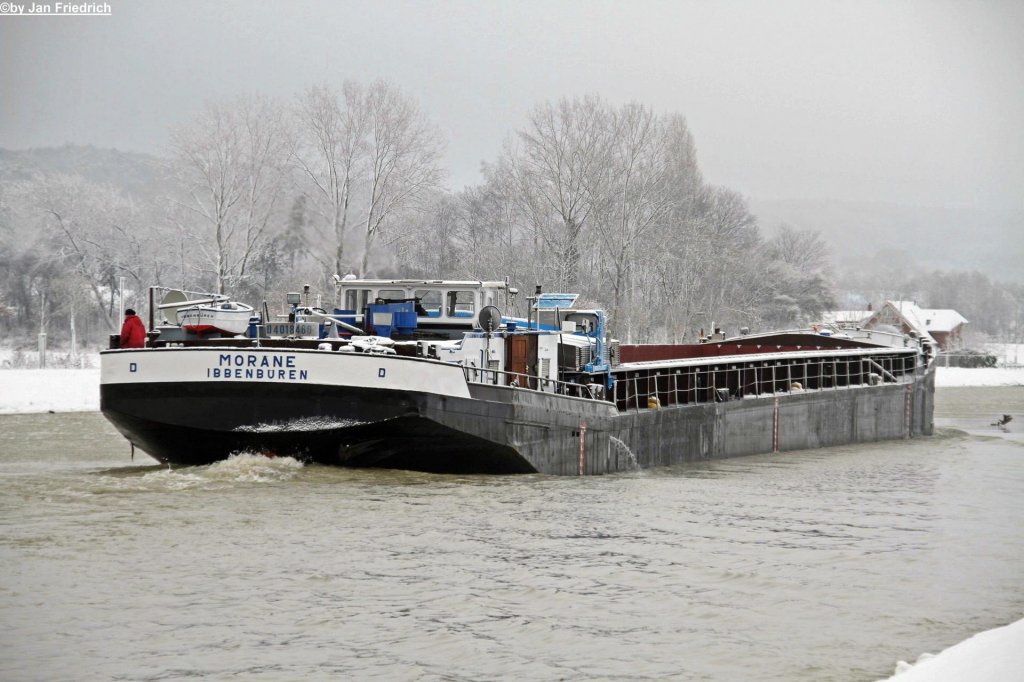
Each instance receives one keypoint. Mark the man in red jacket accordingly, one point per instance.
(133, 332)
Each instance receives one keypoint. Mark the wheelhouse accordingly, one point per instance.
(440, 305)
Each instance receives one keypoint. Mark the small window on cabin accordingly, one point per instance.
(430, 301)
(356, 299)
(584, 323)
(461, 304)
(391, 294)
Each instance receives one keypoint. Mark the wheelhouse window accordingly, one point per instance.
(430, 301)
(356, 299)
(460, 304)
(391, 294)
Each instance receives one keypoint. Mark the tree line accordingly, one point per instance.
(257, 196)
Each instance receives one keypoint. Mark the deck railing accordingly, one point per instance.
(651, 388)
(658, 387)
(497, 377)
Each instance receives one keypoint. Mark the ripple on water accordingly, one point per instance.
(826, 565)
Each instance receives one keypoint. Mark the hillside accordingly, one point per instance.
(134, 173)
(990, 241)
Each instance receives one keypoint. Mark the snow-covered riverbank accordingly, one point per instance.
(991, 656)
(49, 390)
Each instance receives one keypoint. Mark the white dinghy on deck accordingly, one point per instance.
(228, 317)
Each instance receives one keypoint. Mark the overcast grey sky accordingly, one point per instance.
(913, 102)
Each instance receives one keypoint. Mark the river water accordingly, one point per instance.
(819, 565)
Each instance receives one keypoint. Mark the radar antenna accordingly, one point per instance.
(489, 318)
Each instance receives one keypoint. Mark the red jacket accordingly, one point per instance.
(133, 332)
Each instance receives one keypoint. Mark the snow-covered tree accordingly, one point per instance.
(367, 154)
(233, 162)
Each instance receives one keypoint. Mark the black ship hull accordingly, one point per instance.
(200, 423)
(495, 429)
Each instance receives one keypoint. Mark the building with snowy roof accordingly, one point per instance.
(944, 327)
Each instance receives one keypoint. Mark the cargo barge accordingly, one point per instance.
(431, 376)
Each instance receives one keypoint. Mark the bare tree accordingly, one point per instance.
(805, 250)
(331, 154)
(712, 244)
(440, 247)
(233, 161)
(631, 196)
(71, 240)
(495, 241)
(92, 231)
(404, 160)
(598, 199)
(800, 259)
(367, 154)
(555, 164)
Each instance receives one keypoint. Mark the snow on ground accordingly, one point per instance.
(1007, 353)
(982, 376)
(992, 656)
(46, 390)
(60, 389)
